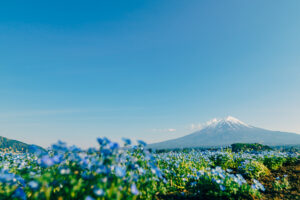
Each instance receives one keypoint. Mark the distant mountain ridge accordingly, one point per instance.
(15, 145)
(222, 132)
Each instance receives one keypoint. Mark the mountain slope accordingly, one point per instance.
(15, 145)
(226, 132)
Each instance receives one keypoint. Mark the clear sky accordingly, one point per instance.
(76, 70)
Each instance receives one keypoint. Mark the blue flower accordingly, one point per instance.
(241, 178)
(102, 169)
(158, 172)
(253, 186)
(222, 187)
(113, 145)
(120, 171)
(6, 177)
(57, 158)
(258, 185)
(262, 188)
(46, 161)
(33, 185)
(98, 192)
(19, 193)
(141, 171)
(126, 141)
(134, 190)
(106, 152)
(103, 141)
(142, 143)
(91, 150)
(218, 169)
(100, 141)
(74, 148)
(229, 170)
(89, 198)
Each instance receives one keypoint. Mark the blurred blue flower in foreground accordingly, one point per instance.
(33, 185)
(113, 146)
(142, 143)
(126, 141)
(134, 190)
(222, 187)
(46, 161)
(98, 192)
(20, 194)
(120, 171)
(89, 198)
(103, 141)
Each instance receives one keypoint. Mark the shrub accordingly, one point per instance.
(222, 159)
(236, 147)
(274, 162)
(253, 169)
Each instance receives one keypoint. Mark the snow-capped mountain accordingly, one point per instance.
(221, 132)
(226, 123)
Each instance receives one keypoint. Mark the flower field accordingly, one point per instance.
(132, 172)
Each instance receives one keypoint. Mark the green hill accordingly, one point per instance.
(15, 145)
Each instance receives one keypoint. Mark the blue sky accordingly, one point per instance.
(75, 70)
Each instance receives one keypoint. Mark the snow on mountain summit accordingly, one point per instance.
(227, 122)
(233, 120)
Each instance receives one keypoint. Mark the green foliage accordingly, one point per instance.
(274, 162)
(291, 160)
(253, 169)
(223, 159)
(281, 183)
(249, 147)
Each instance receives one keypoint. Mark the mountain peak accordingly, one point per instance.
(234, 120)
(226, 131)
(227, 122)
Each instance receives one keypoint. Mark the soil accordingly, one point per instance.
(293, 173)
